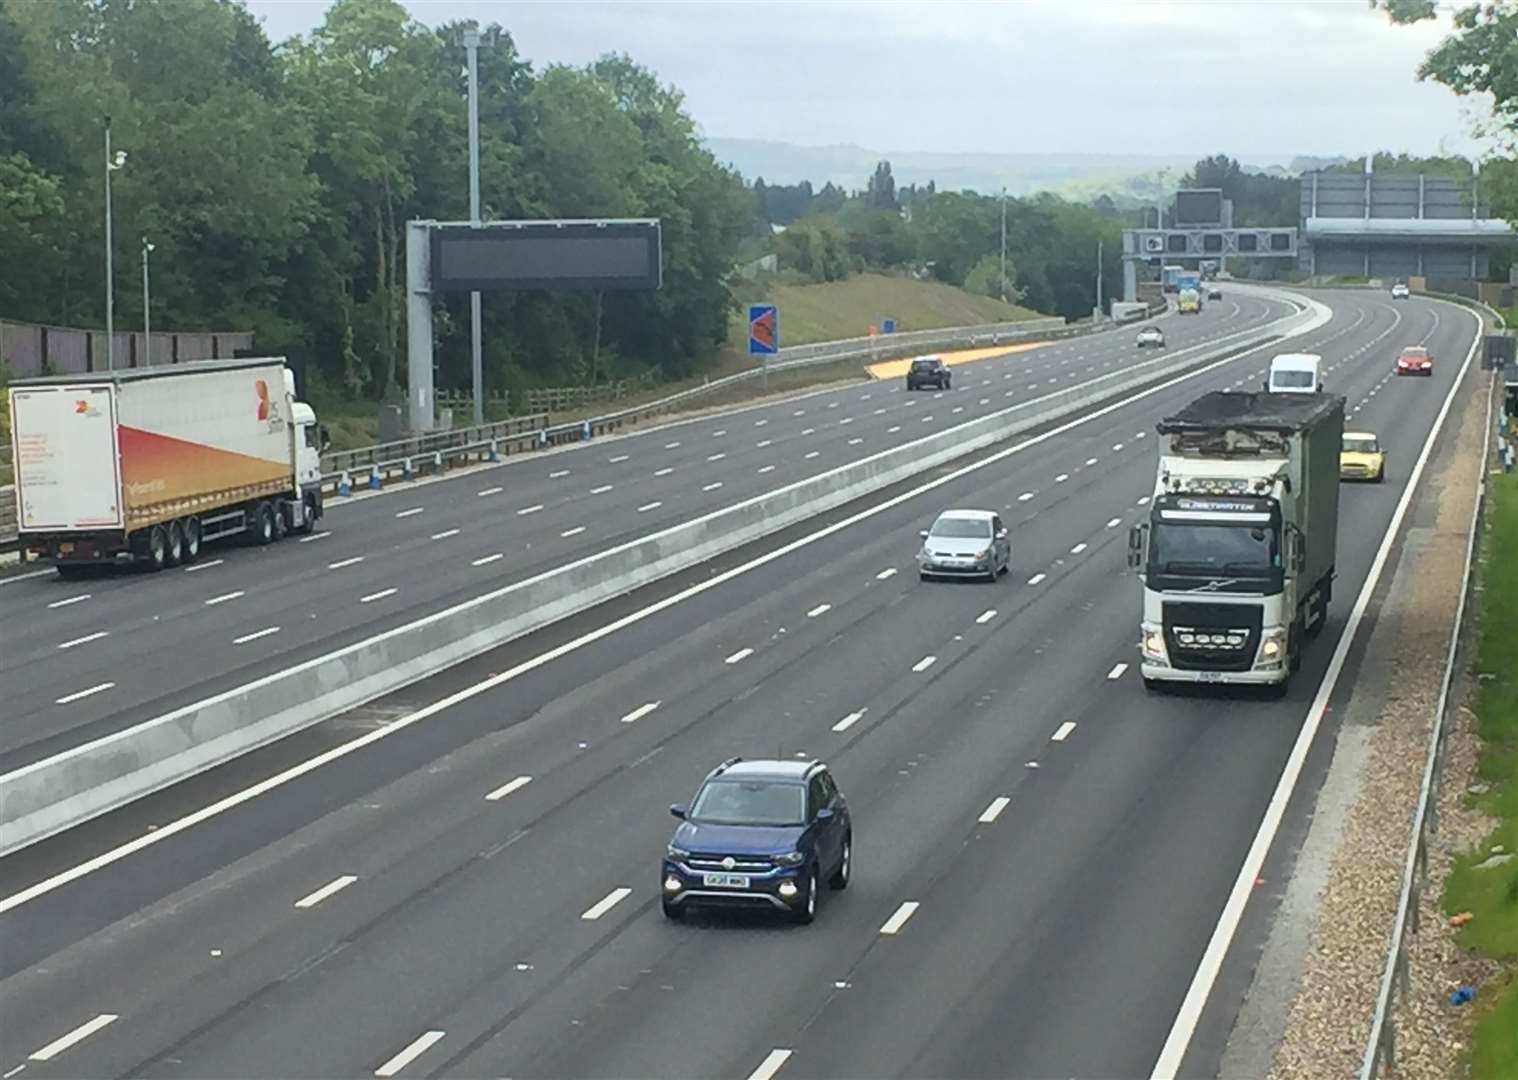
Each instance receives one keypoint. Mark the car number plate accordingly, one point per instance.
(724, 881)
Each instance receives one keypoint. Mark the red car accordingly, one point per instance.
(1415, 361)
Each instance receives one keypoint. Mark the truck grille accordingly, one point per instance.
(1212, 637)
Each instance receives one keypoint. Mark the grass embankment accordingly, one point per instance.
(1491, 894)
(848, 308)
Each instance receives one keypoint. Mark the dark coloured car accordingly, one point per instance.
(759, 834)
(928, 371)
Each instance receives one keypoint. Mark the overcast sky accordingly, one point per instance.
(1254, 78)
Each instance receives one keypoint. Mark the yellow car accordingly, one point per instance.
(1361, 457)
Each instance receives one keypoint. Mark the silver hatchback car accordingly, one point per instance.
(965, 543)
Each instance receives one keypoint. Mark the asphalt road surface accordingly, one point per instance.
(473, 891)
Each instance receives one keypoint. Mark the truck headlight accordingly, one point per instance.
(1273, 645)
(1154, 644)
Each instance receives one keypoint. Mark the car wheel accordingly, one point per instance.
(840, 878)
(671, 911)
(806, 911)
(1381, 475)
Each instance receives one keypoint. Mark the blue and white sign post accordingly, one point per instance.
(764, 334)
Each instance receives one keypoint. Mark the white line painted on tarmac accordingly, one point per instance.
(719, 434)
(1078, 548)
(1090, 461)
(1063, 731)
(813, 454)
(992, 812)
(410, 513)
(672, 445)
(850, 720)
(640, 712)
(1036, 578)
(71, 600)
(809, 431)
(304, 540)
(533, 509)
(96, 636)
(664, 471)
(894, 924)
(893, 430)
(445, 534)
(1117, 671)
(715, 457)
(741, 654)
(1114, 523)
(646, 507)
(617, 460)
(762, 443)
(345, 562)
(985, 616)
(1144, 501)
(1061, 478)
(515, 784)
(558, 474)
(602, 490)
(337, 885)
(713, 486)
(78, 694)
(771, 1064)
(78, 1035)
(377, 596)
(218, 562)
(497, 490)
(576, 531)
(766, 468)
(417, 1048)
(606, 903)
(484, 559)
(925, 663)
(255, 635)
(888, 572)
(760, 423)
(1025, 496)
(819, 610)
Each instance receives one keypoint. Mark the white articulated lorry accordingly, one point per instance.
(146, 464)
(1237, 558)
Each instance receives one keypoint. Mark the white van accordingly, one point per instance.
(1295, 373)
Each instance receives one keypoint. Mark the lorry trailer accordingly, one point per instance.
(144, 465)
(1237, 557)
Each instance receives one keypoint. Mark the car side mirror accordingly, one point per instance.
(1001, 534)
(678, 810)
(923, 533)
(824, 815)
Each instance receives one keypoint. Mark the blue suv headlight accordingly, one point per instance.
(790, 858)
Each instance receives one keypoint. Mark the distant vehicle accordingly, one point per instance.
(1151, 336)
(1295, 373)
(965, 543)
(759, 834)
(1214, 292)
(1399, 291)
(143, 465)
(1170, 278)
(1361, 457)
(1415, 360)
(928, 371)
(1237, 558)
(1189, 302)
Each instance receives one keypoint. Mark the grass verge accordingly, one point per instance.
(1490, 894)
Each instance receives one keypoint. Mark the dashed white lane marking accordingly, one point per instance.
(799, 412)
(255, 635)
(927, 419)
(925, 663)
(1063, 731)
(984, 401)
(646, 507)
(1036, 578)
(533, 509)
(1025, 496)
(1117, 671)
(1078, 548)
(771, 1064)
(811, 455)
(345, 562)
(576, 531)
(713, 486)
(715, 457)
(640, 712)
(850, 720)
(832, 404)
(1061, 478)
(485, 559)
(377, 596)
(617, 460)
(606, 903)
(846, 420)
(556, 475)
(515, 784)
(1114, 523)
(1117, 447)
(719, 434)
(445, 534)
(760, 423)
(880, 412)
(79, 694)
(992, 812)
(1009, 393)
(809, 431)
(224, 597)
(855, 442)
(741, 654)
(672, 445)
(337, 885)
(22, 1067)
(894, 924)
(957, 409)
(602, 490)
(1143, 500)
(864, 397)
(762, 443)
(893, 430)
(304, 540)
(889, 571)
(664, 471)
(411, 512)
(985, 616)
(766, 468)
(218, 562)
(79, 1034)
(1090, 461)
(417, 1048)
(1141, 434)
(820, 609)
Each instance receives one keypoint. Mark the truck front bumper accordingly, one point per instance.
(1164, 673)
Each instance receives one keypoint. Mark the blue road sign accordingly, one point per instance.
(763, 329)
(888, 326)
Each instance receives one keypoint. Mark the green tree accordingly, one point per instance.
(985, 278)
(881, 191)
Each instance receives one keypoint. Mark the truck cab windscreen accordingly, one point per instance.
(1212, 549)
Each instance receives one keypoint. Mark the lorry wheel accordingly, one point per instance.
(263, 524)
(175, 553)
(281, 523)
(1276, 691)
(72, 571)
(158, 549)
(190, 526)
(308, 502)
(1154, 686)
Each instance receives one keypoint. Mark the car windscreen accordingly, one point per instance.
(1358, 445)
(750, 802)
(961, 528)
(1414, 354)
(1292, 380)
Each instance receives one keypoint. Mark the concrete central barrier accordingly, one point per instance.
(69, 788)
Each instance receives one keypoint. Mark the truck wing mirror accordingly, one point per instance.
(1136, 546)
(326, 438)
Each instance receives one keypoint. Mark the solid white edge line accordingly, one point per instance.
(1179, 1040)
(253, 791)
(993, 811)
(771, 1064)
(79, 1034)
(899, 919)
(336, 885)
(514, 784)
(606, 903)
(418, 1046)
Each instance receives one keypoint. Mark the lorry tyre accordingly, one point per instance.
(176, 544)
(263, 524)
(1294, 648)
(191, 529)
(281, 522)
(308, 503)
(157, 554)
(1276, 691)
(72, 571)
(1154, 686)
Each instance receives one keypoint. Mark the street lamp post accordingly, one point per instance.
(1099, 280)
(112, 163)
(476, 361)
(147, 308)
(1003, 245)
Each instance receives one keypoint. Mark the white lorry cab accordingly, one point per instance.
(1295, 373)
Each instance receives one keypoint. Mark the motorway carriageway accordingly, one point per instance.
(1042, 850)
(81, 659)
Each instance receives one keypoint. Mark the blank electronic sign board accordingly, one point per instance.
(548, 255)
(1198, 206)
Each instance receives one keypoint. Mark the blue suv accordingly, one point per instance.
(759, 833)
